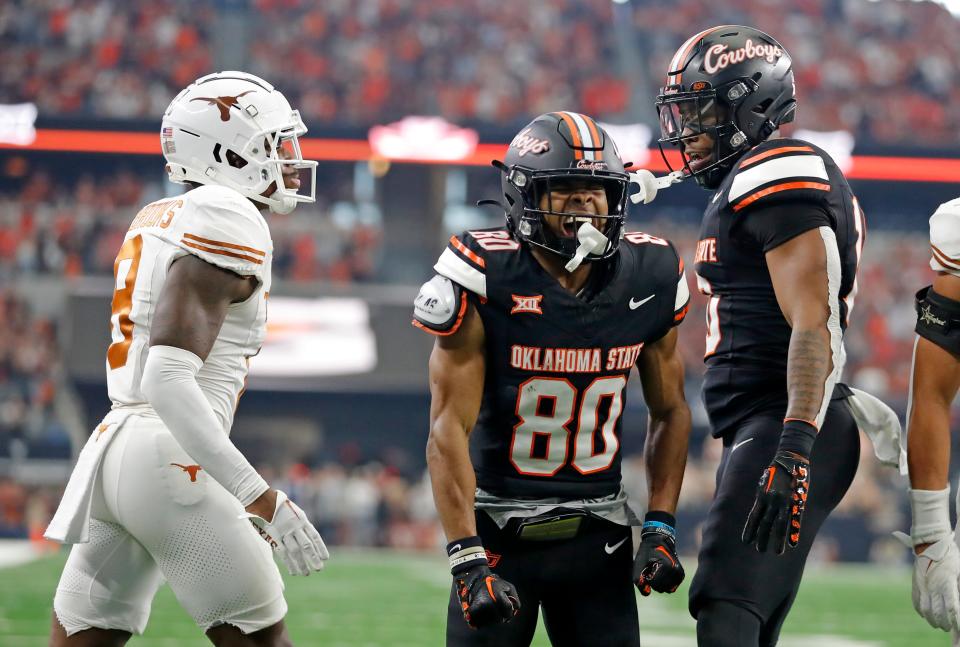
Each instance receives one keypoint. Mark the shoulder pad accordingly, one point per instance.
(440, 306)
(463, 261)
(793, 169)
(938, 319)
(945, 238)
(223, 228)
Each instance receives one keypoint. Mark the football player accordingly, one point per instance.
(539, 325)
(936, 378)
(777, 258)
(159, 491)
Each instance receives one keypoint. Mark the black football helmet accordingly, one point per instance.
(551, 150)
(732, 83)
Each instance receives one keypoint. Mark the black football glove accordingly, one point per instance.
(656, 566)
(485, 597)
(781, 499)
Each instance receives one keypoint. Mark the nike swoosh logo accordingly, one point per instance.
(610, 549)
(742, 442)
(636, 304)
(455, 548)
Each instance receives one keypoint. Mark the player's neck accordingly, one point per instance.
(554, 265)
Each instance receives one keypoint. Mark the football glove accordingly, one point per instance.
(292, 535)
(936, 595)
(778, 509)
(656, 566)
(485, 597)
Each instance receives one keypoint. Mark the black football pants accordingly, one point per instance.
(583, 587)
(741, 597)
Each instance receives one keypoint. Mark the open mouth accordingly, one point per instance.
(697, 159)
(570, 224)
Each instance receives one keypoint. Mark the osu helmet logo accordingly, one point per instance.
(223, 103)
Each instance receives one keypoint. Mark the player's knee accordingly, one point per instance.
(725, 624)
(227, 635)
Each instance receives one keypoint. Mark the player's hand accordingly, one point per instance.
(657, 566)
(485, 597)
(936, 593)
(781, 498)
(291, 534)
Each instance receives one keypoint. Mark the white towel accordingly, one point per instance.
(881, 425)
(71, 523)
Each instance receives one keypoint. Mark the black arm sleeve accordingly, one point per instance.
(938, 319)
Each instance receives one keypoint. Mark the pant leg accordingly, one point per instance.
(729, 570)
(110, 581)
(589, 596)
(219, 568)
(509, 559)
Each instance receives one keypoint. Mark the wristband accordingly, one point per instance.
(797, 438)
(931, 515)
(465, 554)
(660, 523)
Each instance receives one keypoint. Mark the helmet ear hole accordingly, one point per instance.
(235, 160)
(761, 107)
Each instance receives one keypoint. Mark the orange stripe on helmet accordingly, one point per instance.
(684, 57)
(595, 134)
(572, 125)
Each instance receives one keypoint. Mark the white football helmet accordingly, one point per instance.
(227, 129)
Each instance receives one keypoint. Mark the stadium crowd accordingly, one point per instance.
(51, 228)
(891, 72)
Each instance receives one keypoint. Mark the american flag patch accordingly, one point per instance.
(166, 131)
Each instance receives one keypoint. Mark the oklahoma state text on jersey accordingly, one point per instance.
(557, 365)
(777, 191)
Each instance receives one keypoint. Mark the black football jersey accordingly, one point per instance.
(557, 364)
(777, 191)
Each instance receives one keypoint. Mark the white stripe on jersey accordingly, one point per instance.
(837, 352)
(683, 292)
(459, 271)
(585, 136)
(778, 168)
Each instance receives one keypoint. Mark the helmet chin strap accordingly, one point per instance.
(592, 241)
(282, 206)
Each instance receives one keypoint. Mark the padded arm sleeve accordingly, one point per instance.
(170, 384)
(938, 319)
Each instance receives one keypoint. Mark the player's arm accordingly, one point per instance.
(189, 314)
(665, 452)
(456, 389)
(936, 379)
(660, 366)
(805, 272)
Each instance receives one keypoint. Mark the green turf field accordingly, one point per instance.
(376, 599)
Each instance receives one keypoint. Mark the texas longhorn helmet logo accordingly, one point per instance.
(223, 103)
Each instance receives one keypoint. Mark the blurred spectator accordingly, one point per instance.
(47, 228)
(885, 70)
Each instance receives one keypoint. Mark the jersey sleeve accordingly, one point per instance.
(223, 228)
(463, 263)
(945, 238)
(681, 303)
(779, 193)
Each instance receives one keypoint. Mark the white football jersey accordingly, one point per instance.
(221, 227)
(945, 238)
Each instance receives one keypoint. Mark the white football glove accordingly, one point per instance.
(292, 535)
(936, 583)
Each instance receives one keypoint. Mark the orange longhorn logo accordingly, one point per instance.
(223, 103)
(189, 469)
(100, 430)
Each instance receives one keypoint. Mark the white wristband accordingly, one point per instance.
(170, 384)
(931, 515)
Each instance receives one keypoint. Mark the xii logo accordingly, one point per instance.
(526, 304)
